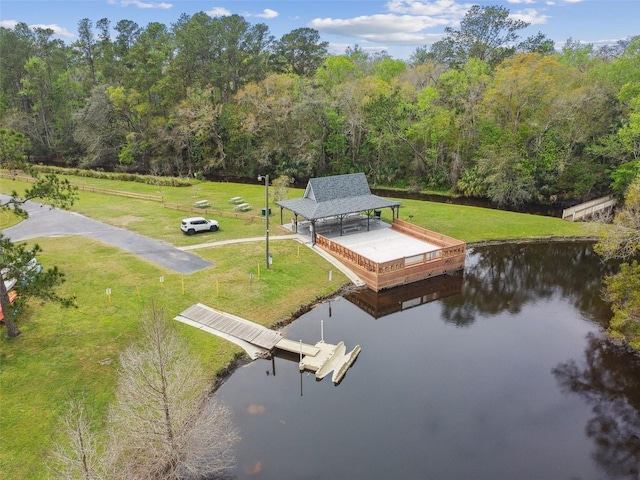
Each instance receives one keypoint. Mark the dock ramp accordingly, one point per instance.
(259, 341)
(256, 340)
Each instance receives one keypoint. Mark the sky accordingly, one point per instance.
(397, 27)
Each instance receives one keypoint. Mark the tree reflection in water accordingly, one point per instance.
(492, 401)
(609, 382)
(505, 278)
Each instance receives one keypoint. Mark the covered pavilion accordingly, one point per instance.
(337, 202)
(383, 256)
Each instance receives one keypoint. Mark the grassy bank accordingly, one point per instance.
(66, 351)
(471, 224)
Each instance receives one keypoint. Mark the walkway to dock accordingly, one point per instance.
(259, 341)
(255, 339)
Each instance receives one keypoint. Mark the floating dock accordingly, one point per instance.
(259, 341)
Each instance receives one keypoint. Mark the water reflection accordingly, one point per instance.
(527, 389)
(398, 299)
(608, 380)
(504, 279)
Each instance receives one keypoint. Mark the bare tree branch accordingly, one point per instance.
(164, 426)
(76, 454)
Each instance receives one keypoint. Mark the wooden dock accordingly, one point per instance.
(399, 255)
(259, 341)
(256, 340)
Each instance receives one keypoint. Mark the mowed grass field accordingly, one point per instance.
(66, 352)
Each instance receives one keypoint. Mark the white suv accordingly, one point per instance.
(198, 224)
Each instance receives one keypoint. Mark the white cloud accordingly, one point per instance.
(218, 12)
(267, 13)
(384, 28)
(57, 30)
(446, 8)
(521, 1)
(10, 24)
(531, 16)
(407, 23)
(340, 48)
(141, 4)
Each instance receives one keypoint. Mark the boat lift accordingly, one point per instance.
(260, 342)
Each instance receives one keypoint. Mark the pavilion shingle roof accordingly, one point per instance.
(336, 195)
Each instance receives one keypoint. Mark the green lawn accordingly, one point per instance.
(476, 224)
(471, 224)
(66, 351)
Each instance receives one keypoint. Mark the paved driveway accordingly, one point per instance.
(45, 221)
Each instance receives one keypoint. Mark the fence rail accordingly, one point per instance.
(87, 188)
(578, 212)
(121, 193)
(403, 270)
(143, 196)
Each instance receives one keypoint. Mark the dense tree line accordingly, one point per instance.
(622, 290)
(481, 112)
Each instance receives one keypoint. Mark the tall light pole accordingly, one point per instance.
(266, 211)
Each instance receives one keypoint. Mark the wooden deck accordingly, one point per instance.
(438, 255)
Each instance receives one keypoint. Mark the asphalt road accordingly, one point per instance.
(45, 221)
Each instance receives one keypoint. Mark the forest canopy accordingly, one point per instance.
(481, 114)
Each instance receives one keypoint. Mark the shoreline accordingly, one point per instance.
(241, 359)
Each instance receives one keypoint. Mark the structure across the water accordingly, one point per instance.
(590, 209)
(260, 342)
(344, 218)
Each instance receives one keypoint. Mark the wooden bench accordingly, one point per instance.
(202, 204)
(243, 207)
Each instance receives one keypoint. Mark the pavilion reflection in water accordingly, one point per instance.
(397, 299)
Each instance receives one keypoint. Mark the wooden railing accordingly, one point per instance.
(143, 196)
(587, 209)
(121, 193)
(403, 270)
(86, 188)
(423, 234)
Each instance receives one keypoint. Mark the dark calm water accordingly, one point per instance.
(500, 373)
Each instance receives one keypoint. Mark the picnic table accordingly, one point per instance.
(235, 200)
(243, 207)
(202, 204)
